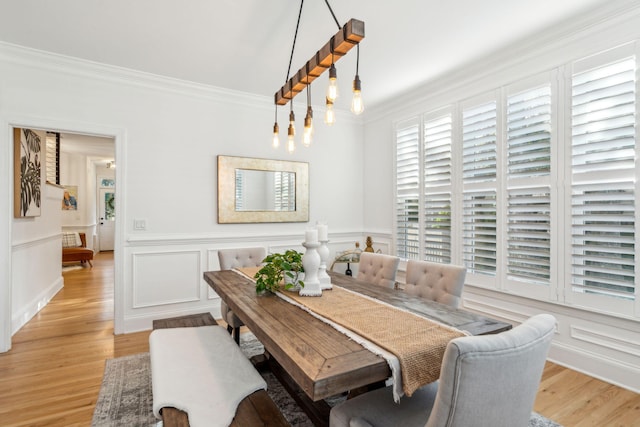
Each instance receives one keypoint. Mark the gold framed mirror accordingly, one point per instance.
(254, 190)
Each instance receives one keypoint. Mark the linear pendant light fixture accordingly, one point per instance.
(338, 45)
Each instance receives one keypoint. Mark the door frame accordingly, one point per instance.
(6, 210)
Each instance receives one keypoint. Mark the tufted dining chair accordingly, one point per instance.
(379, 269)
(437, 282)
(234, 258)
(485, 381)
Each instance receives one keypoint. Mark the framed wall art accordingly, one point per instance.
(27, 169)
(70, 198)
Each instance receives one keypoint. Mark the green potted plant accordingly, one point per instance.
(278, 268)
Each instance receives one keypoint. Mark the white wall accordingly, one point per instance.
(602, 346)
(167, 136)
(36, 256)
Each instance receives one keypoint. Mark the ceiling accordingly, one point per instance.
(245, 45)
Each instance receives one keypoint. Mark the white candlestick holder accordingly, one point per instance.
(311, 264)
(323, 276)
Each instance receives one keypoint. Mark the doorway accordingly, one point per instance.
(106, 215)
(116, 138)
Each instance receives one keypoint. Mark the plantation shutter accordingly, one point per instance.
(528, 121)
(479, 231)
(529, 235)
(437, 189)
(52, 166)
(284, 191)
(479, 130)
(479, 143)
(603, 180)
(239, 190)
(407, 191)
(529, 133)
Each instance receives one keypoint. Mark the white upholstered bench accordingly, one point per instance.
(256, 409)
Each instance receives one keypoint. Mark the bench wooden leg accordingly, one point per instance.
(236, 335)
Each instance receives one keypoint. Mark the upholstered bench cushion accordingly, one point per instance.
(201, 371)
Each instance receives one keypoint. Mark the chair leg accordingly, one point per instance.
(229, 329)
(236, 335)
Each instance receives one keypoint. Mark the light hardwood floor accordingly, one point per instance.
(52, 375)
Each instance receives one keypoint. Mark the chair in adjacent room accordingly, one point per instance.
(437, 282)
(485, 381)
(74, 248)
(379, 269)
(234, 258)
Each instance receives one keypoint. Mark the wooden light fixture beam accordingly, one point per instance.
(347, 37)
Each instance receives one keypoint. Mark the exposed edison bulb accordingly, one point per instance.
(291, 133)
(357, 106)
(307, 135)
(276, 137)
(330, 114)
(332, 89)
(291, 143)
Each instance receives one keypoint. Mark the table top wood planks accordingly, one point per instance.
(321, 360)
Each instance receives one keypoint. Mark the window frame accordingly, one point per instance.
(558, 183)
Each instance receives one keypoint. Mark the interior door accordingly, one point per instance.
(107, 219)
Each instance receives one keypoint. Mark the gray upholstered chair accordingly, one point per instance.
(489, 380)
(379, 269)
(436, 282)
(234, 258)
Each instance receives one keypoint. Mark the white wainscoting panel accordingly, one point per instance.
(595, 344)
(165, 278)
(609, 339)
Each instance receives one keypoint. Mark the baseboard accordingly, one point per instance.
(603, 368)
(25, 314)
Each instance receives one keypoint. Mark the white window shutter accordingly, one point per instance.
(407, 212)
(479, 142)
(438, 134)
(603, 187)
(479, 232)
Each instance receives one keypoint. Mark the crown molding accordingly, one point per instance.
(68, 65)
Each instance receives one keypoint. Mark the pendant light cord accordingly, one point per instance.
(295, 36)
(333, 14)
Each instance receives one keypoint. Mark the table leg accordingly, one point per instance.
(318, 412)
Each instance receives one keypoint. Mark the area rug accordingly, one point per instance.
(125, 397)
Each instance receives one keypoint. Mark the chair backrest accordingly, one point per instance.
(241, 257)
(442, 283)
(379, 269)
(492, 380)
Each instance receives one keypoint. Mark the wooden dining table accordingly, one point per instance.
(313, 359)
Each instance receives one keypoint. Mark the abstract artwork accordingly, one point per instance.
(27, 155)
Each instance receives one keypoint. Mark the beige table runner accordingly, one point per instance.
(418, 343)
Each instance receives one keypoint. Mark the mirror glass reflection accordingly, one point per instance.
(265, 191)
